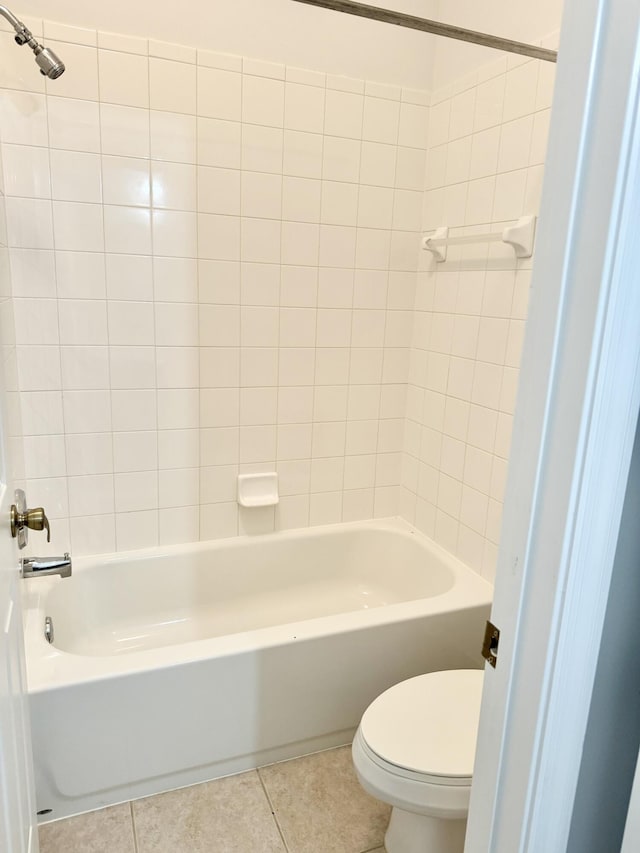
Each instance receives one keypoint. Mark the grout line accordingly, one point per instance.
(276, 450)
(136, 845)
(273, 810)
(385, 346)
(61, 390)
(107, 345)
(199, 312)
(316, 309)
(349, 384)
(154, 301)
(237, 462)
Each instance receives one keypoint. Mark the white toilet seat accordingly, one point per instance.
(415, 746)
(415, 775)
(412, 793)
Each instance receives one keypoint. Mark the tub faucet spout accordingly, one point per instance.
(38, 567)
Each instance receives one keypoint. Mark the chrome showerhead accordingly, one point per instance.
(50, 65)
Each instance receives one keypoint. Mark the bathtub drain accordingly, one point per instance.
(48, 629)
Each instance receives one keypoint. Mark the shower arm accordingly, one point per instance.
(23, 34)
(17, 25)
(400, 19)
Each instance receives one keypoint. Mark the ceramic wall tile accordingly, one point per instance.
(483, 142)
(226, 253)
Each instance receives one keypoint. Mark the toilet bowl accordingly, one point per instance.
(414, 749)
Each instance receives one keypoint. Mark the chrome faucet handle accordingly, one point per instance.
(32, 567)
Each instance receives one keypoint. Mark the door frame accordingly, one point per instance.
(573, 437)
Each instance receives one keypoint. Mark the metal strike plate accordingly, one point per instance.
(490, 644)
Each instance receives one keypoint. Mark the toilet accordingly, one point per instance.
(414, 749)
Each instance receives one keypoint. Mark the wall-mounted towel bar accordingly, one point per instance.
(519, 236)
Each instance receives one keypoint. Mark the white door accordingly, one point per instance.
(573, 437)
(18, 830)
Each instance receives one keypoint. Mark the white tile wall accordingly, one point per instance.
(486, 146)
(39, 411)
(214, 267)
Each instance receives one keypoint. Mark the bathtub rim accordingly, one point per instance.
(50, 668)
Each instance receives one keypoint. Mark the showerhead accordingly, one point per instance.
(50, 65)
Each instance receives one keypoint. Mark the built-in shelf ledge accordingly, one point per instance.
(519, 236)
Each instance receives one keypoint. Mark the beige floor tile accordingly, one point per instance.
(105, 831)
(229, 815)
(321, 807)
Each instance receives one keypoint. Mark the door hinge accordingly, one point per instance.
(490, 644)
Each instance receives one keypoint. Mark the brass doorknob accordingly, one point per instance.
(23, 519)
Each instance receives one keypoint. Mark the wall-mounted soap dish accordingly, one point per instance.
(258, 490)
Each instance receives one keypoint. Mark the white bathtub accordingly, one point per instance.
(172, 666)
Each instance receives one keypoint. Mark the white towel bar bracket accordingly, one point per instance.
(519, 236)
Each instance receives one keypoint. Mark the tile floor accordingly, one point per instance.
(312, 804)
